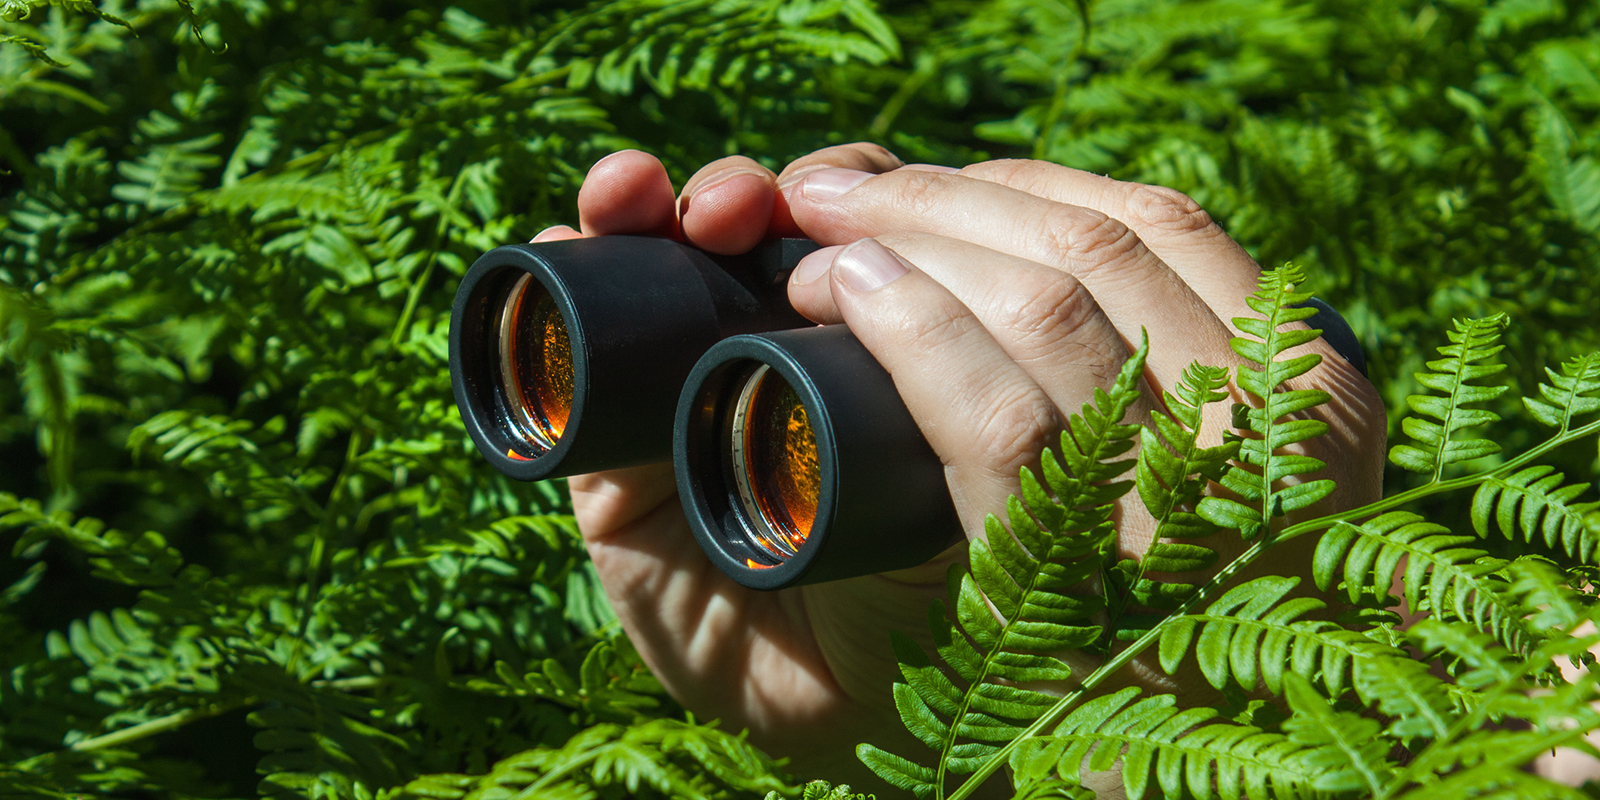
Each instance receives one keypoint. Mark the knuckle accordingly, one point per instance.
(918, 193)
(1089, 238)
(1168, 209)
(1042, 313)
(876, 153)
(1018, 424)
(927, 332)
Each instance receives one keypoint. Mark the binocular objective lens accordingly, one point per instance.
(535, 365)
(774, 464)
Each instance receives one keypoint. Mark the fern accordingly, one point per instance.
(1187, 751)
(1495, 622)
(1251, 636)
(1574, 392)
(1258, 479)
(1441, 576)
(255, 246)
(1532, 504)
(672, 757)
(1472, 342)
(1345, 745)
(1027, 573)
(1172, 472)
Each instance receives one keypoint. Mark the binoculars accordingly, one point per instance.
(796, 460)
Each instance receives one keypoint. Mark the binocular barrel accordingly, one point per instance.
(796, 461)
(568, 357)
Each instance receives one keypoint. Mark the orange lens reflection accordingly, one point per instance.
(536, 363)
(776, 465)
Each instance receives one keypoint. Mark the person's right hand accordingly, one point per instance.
(999, 299)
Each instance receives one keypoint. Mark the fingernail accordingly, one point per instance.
(826, 184)
(939, 168)
(813, 266)
(725, 176)
(551, 231)
(796, 177)
(867, 266)
(610, 156)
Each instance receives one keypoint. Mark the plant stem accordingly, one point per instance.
(925, 71)
(152, 727)
(440, 239)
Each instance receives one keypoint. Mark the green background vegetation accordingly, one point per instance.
(252, 543)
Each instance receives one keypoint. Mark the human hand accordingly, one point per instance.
(1029, 282)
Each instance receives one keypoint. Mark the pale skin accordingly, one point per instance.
(998, 297)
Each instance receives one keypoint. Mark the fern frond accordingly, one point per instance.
(1349, 749)
(1173, 469)
(1404, 689)
(1172, 473)
(1027, 574)
(670, 756)
(613, 685)
(319, 743)
(136, 560)
(1532, 505)
(168, 174)
(244, 459)
(1258, 479)
(1573, 392)
(1480, 660)
(1251, 636)
(1441, 576)
(1472, 341)
(1546, 592)
(1186, 751)
(1478, 760)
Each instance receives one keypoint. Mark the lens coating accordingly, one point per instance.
(775, 463)
(535, 364)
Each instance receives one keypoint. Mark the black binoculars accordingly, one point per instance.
(796, 460)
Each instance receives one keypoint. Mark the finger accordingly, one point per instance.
(726, 206)
(555, 233)
(861, 156)
(1135, 288)
(628, 192)
(982, 414)
(1044, 319)
(1169, 222)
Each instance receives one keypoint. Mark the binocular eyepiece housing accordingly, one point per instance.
(568, 357)
(797, 462)
(795, 459)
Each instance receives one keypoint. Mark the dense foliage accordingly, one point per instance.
(252, 542)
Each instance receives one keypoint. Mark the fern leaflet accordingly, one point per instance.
(1187, 750)
(1260, 484)
(1575, 391)
(1456, 582)
(1255, 638)
(1172, 473)
(1347, 745)
(1471, 342)
(1531, 504)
